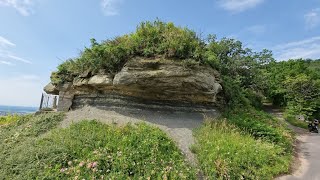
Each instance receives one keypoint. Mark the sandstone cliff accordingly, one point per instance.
(156, 82)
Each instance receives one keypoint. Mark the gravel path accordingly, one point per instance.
(178, 125)
(307, 162)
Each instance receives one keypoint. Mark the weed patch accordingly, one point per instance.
(226, 152)
(33, 147)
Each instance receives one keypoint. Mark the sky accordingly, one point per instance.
(37, 35)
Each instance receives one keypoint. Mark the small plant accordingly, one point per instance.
(8, 119)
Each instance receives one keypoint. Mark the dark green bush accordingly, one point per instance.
(295, 85)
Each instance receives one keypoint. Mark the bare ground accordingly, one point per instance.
(178, 125)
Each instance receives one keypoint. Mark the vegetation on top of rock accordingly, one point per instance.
(248, 77)
(150, 39)
(160, 39)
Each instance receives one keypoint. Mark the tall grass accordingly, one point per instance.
(292, 120)
(261, 126)
(34, 148)
(226, 152)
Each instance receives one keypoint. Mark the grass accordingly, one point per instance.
(34, 148)
(151, 39)
(245, 145)
(261, 126)
(225, 152)
(19, 155)
(8, 119)
(295, 122)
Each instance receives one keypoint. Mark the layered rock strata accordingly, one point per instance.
(143, 83)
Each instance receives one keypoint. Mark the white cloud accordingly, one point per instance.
(6, 63)
(110, 7)
(24, 7)
(19, 59)
(307, 48)
(237, 6)
(312, 18)
(5, 42)
(7, 57)
(22, 90)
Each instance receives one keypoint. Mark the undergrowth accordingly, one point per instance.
(33, 148)
(243, 145)
(8, 119)
(261, 125)
(292, 120)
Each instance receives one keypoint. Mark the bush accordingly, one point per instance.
(261, 126)
(151, 39)
(8, 119)
(226, 152)
(295, 85)
(292, 120)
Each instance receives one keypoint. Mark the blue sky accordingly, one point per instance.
(37, 35)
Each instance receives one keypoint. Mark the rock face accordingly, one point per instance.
(141, 81)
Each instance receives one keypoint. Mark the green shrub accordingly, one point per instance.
(151, 39)
(261, 126)
(295, 85)
(226, 152)
(8, 119)
(292, 120)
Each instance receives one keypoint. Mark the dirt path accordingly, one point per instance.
(178, 125)
(307, 163)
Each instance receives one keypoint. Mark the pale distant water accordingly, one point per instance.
(4, 110)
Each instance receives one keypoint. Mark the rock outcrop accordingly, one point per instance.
(142, 81)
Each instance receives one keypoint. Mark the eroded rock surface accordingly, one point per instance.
(142, 80)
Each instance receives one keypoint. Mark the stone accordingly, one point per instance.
(159, 81)
(100, 80)
(167, 81)
(65, 101)
(51, 89)
(80, 81)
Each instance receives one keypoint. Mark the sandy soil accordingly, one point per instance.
(178, 125)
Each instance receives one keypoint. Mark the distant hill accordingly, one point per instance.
(4, 110)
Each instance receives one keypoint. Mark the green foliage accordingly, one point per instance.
(226, 152)
(261, 126)
(120, 153)
(295, 84)
(33, 148)
(17, 143)
(151, 39)
(8, 119)
(241, 68)
(292, 120)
